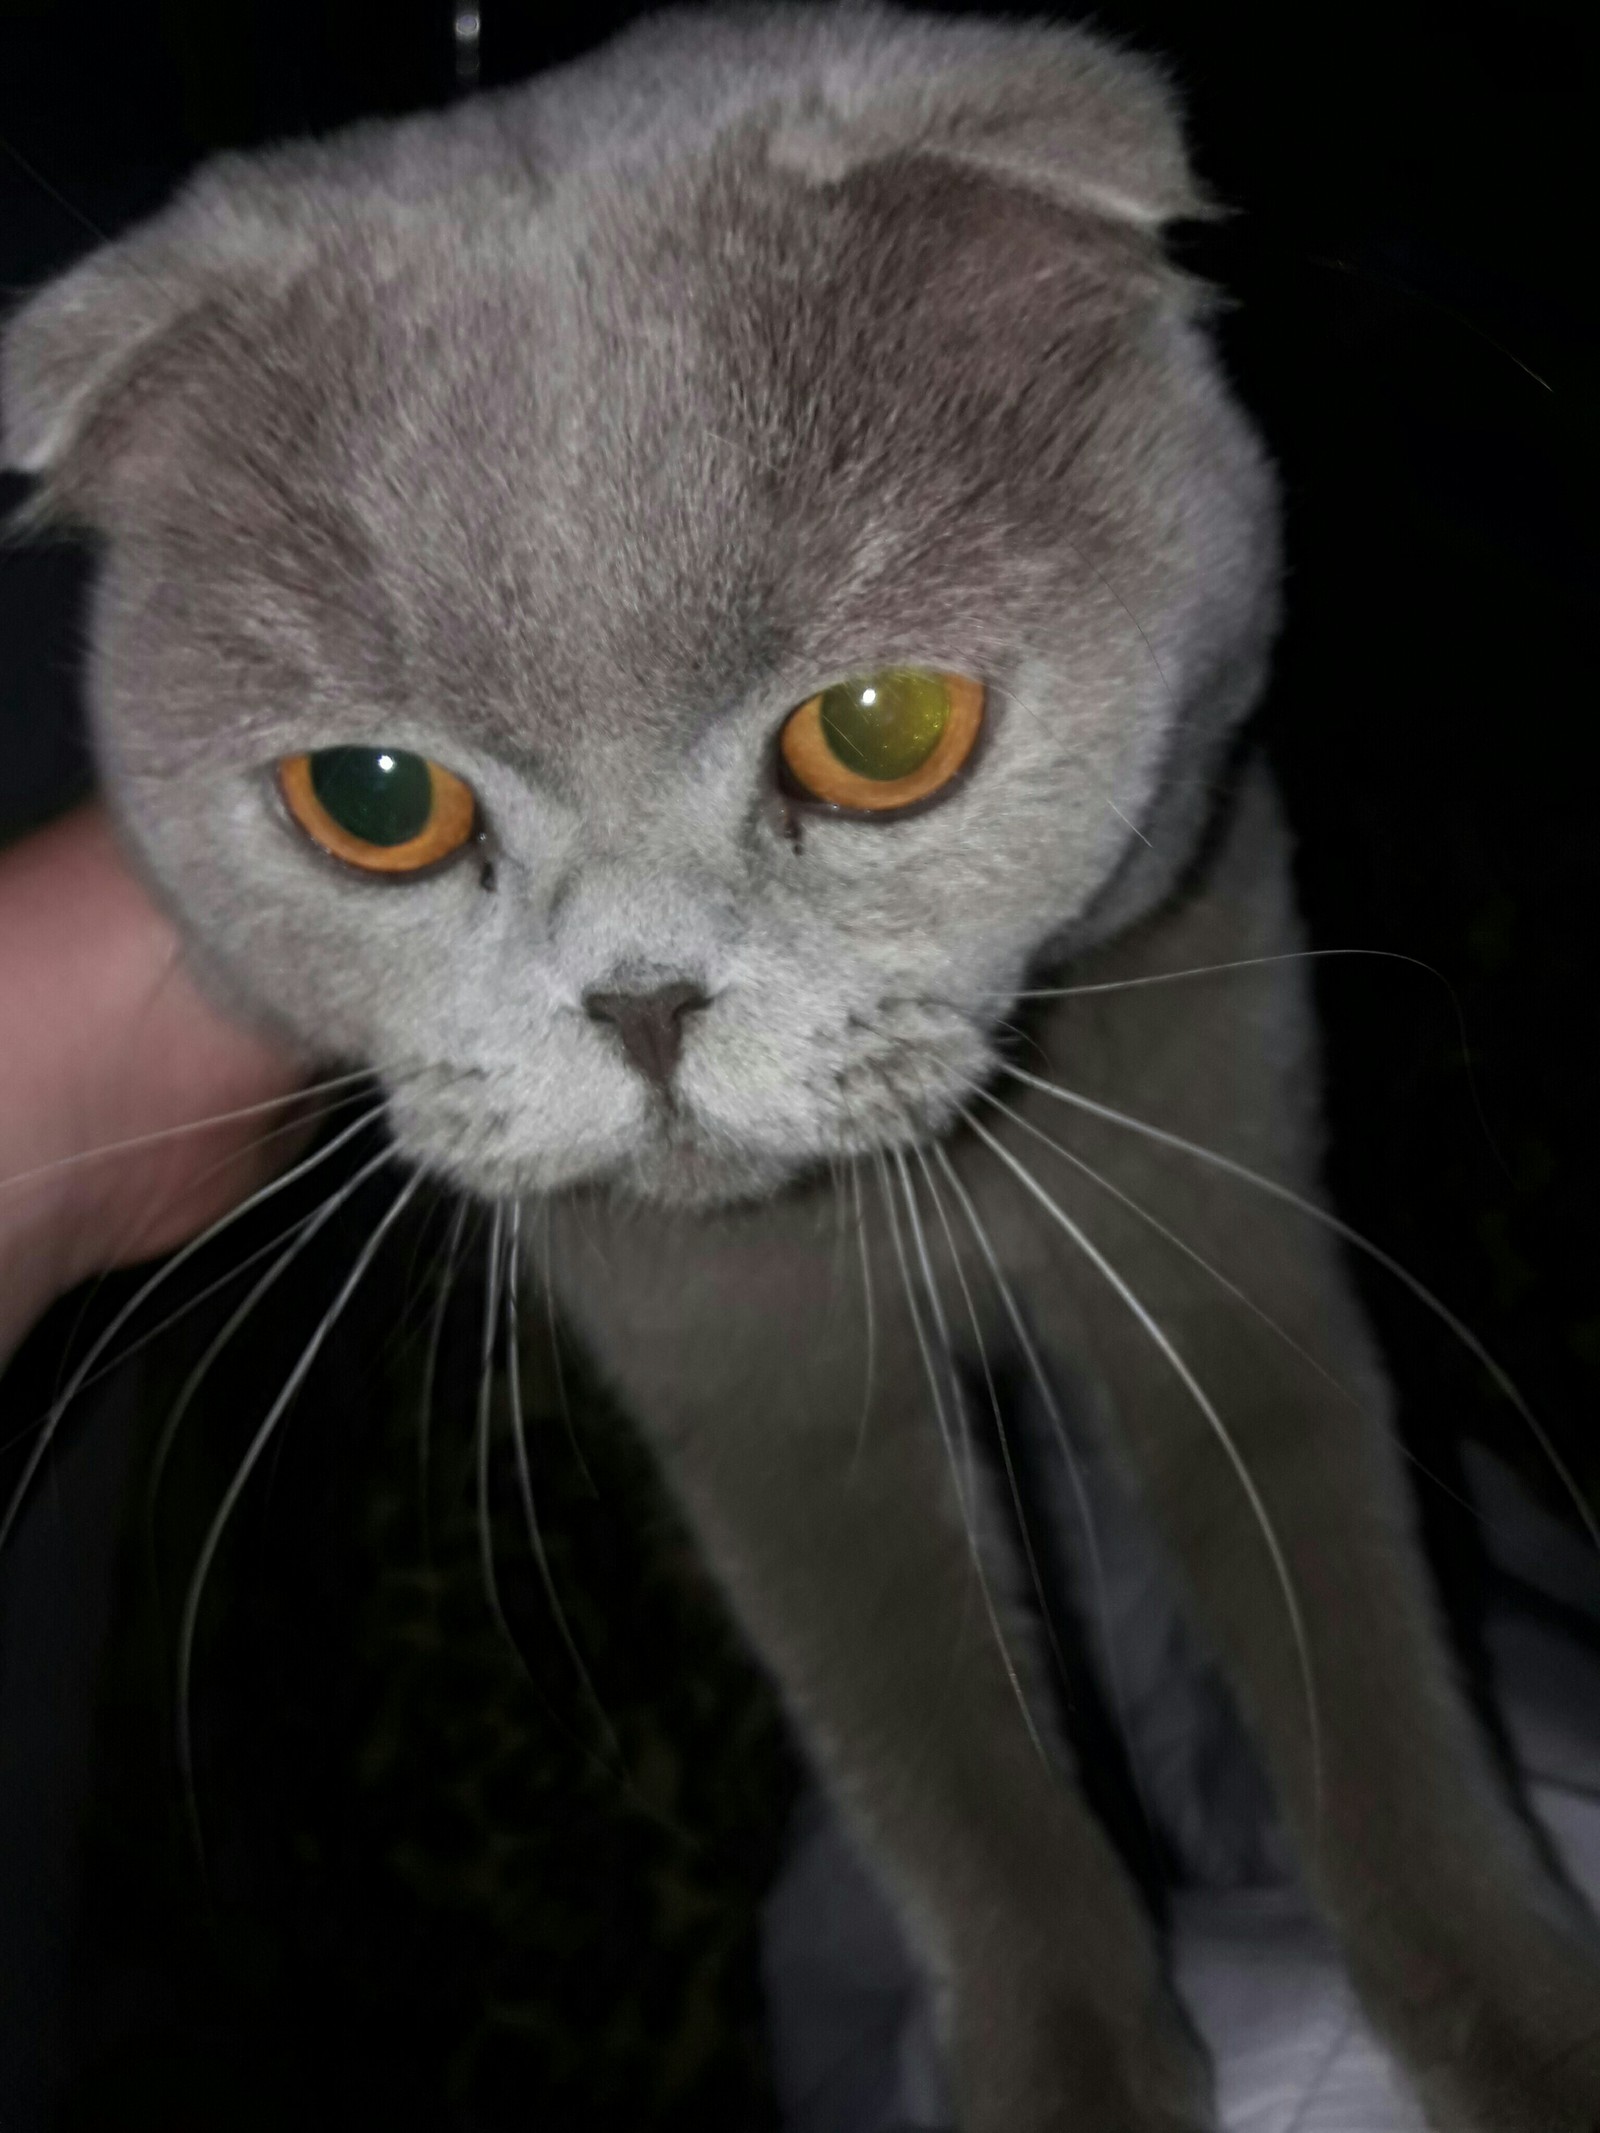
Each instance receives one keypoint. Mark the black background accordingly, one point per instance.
(1410, 259)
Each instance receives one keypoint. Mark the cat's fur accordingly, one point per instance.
(572, 438)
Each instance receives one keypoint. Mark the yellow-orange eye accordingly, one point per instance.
(380, 809)
(883, 742)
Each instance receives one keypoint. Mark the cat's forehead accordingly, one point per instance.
(804, 335)
(622, 459)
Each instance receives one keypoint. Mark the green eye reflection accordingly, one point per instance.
(883, 743)
(888, 725)
(379, 795)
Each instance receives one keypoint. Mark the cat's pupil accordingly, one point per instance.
(381, 795)
(888, 725)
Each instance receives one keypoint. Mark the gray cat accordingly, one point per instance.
(654, 609)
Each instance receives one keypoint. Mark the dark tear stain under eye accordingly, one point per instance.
(486, 877)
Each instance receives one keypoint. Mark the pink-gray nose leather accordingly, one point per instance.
(649, 1024)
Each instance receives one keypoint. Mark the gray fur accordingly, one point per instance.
(572, 438)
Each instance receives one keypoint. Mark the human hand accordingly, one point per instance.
(105, 1042)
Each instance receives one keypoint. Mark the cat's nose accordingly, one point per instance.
(649, 1024)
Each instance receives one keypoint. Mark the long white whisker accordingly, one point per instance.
(127, 1249)
(317, 1220)
(519, 1438)
(841, 1230)
(1219, 1428)
(1246, 962)
(1021, 702)
(969, 1501)
(558, 1372)
(1231, 1288)
(1115, 1685)
(1127, 821)
(1178, 1243)
(162, 1325)
(247, 1466)
(946, 1347)
(886, 1194)
(869, 1306)
(1424, 1295)
(491, 1582)
(491, 1314)
(306, 1095)
(430, 1372)
(163, 1273)
(1299, 955)
(923, 1345)
(1002, 1435)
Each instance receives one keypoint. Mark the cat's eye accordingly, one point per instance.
(380, 809)
(884, 742)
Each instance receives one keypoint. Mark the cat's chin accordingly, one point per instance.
(677, 1171)
(691, 1175)
(678, 1161)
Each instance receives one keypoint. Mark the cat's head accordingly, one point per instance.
(570, 441)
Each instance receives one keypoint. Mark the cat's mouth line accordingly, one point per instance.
(904, 1066)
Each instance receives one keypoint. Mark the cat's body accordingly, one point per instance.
(878, 1631)
(572, 440)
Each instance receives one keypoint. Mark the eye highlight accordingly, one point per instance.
(379, 809)
(883, 742)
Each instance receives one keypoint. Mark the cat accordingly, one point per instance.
(698, 617)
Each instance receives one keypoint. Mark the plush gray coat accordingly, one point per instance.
(571, 439)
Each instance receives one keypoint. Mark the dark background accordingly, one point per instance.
(1410, 262)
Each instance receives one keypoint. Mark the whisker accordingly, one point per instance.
(1128, 822)
(1246, 962)
(946, 1346)
(996, 688)
(163, 1273)
(1002, 1435)
(1178, 1243)
(967, 1503)
(839, 1212)
(1299, 955)
(415, 1286)
(869, 1385)
(491, 1313)
(519, 1439)
(1240, 1295)
(1232, 1288)
(1426, 299)
(300, 1237)
(1019, 1035)
(553, 1330)
(1219, 1428)
(491, 1582)
(912, 1306)
(53, 192)
(247, 1466)
(430, 1370)
(163, 1325)
(135, 1142)
(1115, 1685)
(886, 1194)
(1340, 1228)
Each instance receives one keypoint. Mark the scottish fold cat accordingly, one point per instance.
(696, 617)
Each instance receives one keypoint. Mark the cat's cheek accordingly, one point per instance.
(799, 1081)
(496, 1141)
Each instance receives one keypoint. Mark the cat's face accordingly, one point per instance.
(578, 490)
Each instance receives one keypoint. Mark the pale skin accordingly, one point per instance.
(108, 1040)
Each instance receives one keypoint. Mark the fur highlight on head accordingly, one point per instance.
(574, 436)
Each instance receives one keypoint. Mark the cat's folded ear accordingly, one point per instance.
(1054, 109)
(126, 327)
